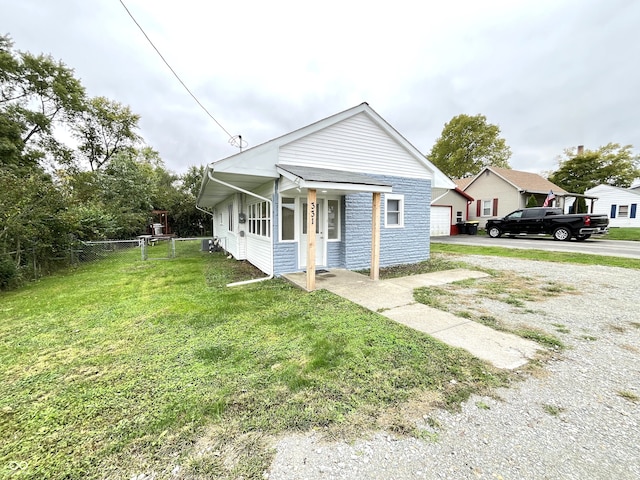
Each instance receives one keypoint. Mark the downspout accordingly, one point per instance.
(242, 190)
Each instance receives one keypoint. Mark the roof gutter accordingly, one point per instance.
(247, 192)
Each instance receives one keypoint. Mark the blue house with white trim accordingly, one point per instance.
(345, 192)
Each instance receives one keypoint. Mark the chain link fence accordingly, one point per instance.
(17, 267)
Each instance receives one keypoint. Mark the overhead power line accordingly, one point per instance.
(234, 140)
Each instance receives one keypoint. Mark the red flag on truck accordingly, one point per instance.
(549, 198)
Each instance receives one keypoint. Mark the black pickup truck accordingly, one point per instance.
(548, 220)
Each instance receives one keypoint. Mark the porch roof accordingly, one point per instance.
(304, 177)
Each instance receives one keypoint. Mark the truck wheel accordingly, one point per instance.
(494, 232)
(582, 238)
(562, 233)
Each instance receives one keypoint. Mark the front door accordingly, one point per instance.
(321, 221)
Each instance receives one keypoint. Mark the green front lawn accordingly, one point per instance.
(122, 368)
(542, 255)
(624, 234)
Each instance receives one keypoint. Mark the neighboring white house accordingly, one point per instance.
(620, 204)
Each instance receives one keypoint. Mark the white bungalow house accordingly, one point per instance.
(621, 204)
(345, 192)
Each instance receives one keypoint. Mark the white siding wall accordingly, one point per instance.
(229, 240)
(608, 196)
(258, 249)
(259, 252)
(356, 144)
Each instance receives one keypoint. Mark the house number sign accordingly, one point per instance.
(313, 213)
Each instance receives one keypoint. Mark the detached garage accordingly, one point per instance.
(448, 208)
(440, 221)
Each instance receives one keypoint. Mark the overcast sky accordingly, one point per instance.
(552, 74)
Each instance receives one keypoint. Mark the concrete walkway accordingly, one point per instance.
(393, 298)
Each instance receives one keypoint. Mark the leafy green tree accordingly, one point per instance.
(104, 129)
(36, 93)
(610, 164)
(467, 145)
(188, 221)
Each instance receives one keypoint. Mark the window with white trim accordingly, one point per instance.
(487, 206)
(623, 211)
(333, 219)
(394, 210)
(260, 219)
(287, 219)
(230, 213)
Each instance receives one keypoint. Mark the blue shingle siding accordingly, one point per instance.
(285, 257)
(335, 254)
(408, 244)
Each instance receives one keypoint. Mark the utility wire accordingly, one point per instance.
(231, 137)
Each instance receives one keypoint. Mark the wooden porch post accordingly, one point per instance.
(312, 219)
(375, 237)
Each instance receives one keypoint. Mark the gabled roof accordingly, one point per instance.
(597, 188)
(257, 165)
(462, 183)
(463, 193)
(524, 181)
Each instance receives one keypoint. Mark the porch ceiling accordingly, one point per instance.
(213, 193)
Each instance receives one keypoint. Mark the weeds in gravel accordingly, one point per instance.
(561, 328)
(589, 338)
(540, 336)
(630, 348)
(616, 328)
(552, 409)
(505, 287)
(627, 395)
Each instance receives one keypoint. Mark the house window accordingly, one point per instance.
(394, 210)
(287, 218)
(333, 219)
(486, 208)
(220, 219)
(260, 219)
(230, 212)
(623, 211)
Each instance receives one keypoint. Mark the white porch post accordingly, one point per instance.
(375, 237)
(312, 219)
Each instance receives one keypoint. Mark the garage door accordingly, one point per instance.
(440, 221)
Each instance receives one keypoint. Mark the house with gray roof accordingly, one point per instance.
(346, 192)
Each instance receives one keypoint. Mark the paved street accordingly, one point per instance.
(596, 246)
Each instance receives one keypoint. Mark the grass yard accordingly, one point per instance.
(624, 234)
(545, 256)
(117, 369)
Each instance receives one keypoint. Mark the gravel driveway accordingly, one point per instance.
(580, 420)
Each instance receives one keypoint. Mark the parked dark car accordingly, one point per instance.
(551, 221)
